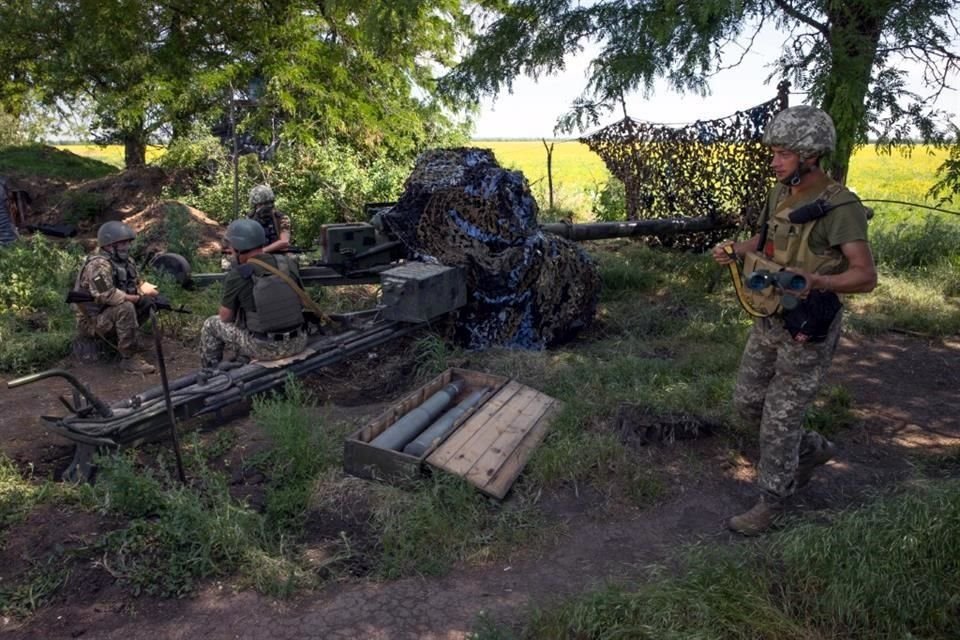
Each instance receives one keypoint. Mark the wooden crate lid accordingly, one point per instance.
(491, 448)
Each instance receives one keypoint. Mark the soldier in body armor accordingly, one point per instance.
(276, 224)
(261, 313)
(120, 298)
(791, 345)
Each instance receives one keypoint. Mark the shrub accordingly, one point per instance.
(610, 201)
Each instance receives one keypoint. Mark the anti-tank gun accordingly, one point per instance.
(357, 252)
(413, 296)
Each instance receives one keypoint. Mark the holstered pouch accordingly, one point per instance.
(810, 320)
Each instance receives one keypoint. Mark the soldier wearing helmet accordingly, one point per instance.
(816, 229)
(261, 312)
(276, 224)
(120, 299)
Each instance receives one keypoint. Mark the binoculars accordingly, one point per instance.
(782, 280)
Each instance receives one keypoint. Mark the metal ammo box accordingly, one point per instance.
(418, 292)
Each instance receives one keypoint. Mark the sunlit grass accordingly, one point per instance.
(111, 154)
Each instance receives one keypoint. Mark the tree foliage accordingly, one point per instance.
(358, 72)
(846, 55)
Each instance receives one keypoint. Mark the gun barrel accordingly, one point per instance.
(657, 227)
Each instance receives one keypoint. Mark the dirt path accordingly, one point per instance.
(905, 394)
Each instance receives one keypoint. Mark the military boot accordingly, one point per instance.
(136, 364)
(759, 518)
(809, 461)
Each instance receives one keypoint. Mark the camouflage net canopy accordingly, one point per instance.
(717, 168)
(527, 289)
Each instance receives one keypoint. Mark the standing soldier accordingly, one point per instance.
(794, 336)
(120, 299)
(276, 224)
(261, 313)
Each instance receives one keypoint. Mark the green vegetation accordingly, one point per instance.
(36, 326)
(18, 495)
(111, 154)
(49, 162)
(884, 571)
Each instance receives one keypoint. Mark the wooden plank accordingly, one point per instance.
(512, 431)
(498, 486)
(474, 426)
(492, 429)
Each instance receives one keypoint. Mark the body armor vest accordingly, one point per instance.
(125, 278)
(788, 245)
(278, 306)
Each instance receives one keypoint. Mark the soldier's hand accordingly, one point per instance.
(149, 290)
(720, 254)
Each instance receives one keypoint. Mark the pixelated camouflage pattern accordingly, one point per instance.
(803, 129)
(216, 335)
(119, 322)
(273, 221)
(777, 381)
(261, 194)
(110, 313)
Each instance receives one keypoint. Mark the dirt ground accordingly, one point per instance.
(904, 391)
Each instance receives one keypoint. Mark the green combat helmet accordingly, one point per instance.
(112, 232)
(245, 234)
(805, 130)
(261, 194)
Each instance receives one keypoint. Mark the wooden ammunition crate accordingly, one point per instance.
(489, 445)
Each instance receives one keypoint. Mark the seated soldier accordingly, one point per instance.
(275, 223)
(261, 313)
(120, 299)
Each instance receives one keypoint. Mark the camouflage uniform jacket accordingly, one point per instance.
(107, 280)
(273, 221)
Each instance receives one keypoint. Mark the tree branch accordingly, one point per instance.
(802, 17)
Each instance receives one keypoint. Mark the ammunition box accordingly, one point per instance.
(419, 292)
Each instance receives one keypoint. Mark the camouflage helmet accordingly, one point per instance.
(805, 130)
(261, 194)
(245, 234)
(113, 232)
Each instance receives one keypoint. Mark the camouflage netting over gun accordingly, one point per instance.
(716, 168)
(528, 289)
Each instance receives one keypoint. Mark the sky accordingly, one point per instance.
(533, 108)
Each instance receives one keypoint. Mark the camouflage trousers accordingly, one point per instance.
(120, 320)
(777, 381)
(216, 335)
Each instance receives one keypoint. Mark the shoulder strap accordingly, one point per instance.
(304, 297)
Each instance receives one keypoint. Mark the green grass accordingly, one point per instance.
(444, 520)
(885, 571)
(109, 154)
(18, 494)
(50, 162)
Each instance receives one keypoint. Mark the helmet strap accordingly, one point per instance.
(802, 169)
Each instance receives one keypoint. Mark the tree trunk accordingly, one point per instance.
(134, 149)
(854, 36)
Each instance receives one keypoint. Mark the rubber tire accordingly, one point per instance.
(173, 265)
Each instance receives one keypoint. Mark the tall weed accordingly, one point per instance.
(302, 449)
(36, 325)
(175, 534)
